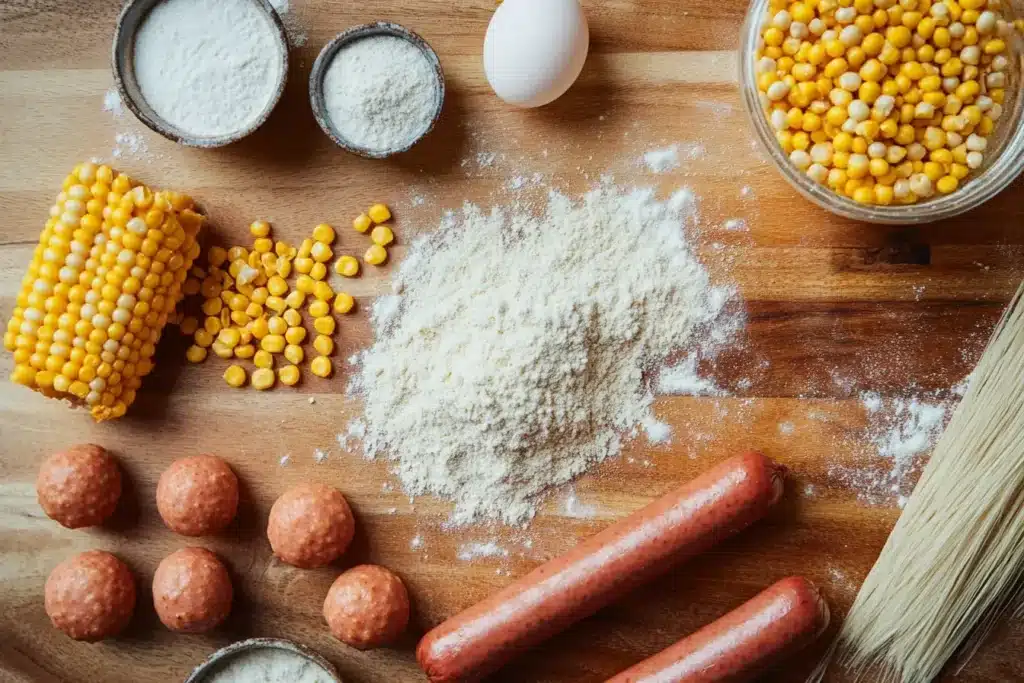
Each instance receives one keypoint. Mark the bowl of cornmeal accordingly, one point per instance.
(269, 660)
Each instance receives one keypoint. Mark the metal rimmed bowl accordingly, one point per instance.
(220, 659)
(1004, 158)
(316, 83)
(131, 18)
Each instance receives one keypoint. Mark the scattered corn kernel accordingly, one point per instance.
(245, 351)
(263, 359)
(323, 344)
(294, 353)
(343, 302)
(295, 335)
(235, 375)
(324, 325)
(321, 366)
(323, 291)
(273, 343)
(319, 308)
(323, 233)
(262, 378)
(347, 266)
(375, 255)
(189, 324)
(195, 354)
(318, 271)
(288, 375)
(378, 213)
(321, 252)
(295, 299)
(259, 229)
(362, 223)
(383, 235)
(222, 350)
(277, 325)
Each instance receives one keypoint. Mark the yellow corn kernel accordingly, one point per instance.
(238, 253)
(378, 213)
(347, 266)
(323, 233)
(325, 325)
(277, 325)
(188, 325)
(361, 223)
(295, 299)
(245, 351)
(305, 248)
(323, 344)
(959, 171)
(216, 256)
(947, 184)
(303, 264)
(260, 328)
(321, 366)
(292, 317)
(941, 156)
(318, 271)
(229, 337)
(289, 375)
(276, 303)
(221, 350)
(933, 170)
(253, 310)
(321, 252)
(277, 286)
(273, 343)
(284, 268)
(195, 354)
(259, 229)
(282, 249)
(203, 337)
(295, 335)
(240, 318)
(343, 302)
(262, 378)
(319, 308)
(263, 359)
(235, 376)
(377, 254)
(213, 325)
(294, 353)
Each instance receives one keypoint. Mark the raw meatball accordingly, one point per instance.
(192, 591)
(90, 596)
(197, 495)
(310, 525)
(367, 606)
(79, 487)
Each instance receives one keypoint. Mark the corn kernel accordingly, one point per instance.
(303, 264)
(263, 359)
(323, 344)
(319, 308)
(362, 223)
(276, 303)
(343, 302)
(288, 375)
(235, 375)
(321, 252)
(229, 337)
(294, 353)
(277, 325)
(383, 235)
(947, 184)
(195, 354)
(262, 378)
(259, 229)
(377, 254)
(325, 325)
(323, 233)
(347, 266)
(244, 351)
(318, 271)
(292, 317)
(378, 213)
(221, 350)
(273, 343)
(295, 299)
(321, 366)
(295, 335)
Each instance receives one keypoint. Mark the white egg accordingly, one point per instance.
(535, 49)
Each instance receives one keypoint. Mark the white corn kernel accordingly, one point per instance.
(976, 143)
(800, 159)
(766, 65)
(851, 35)
(974, 160)
(876, 150)
(778, 119)
(924, 110)
(901, 188)
(921, 185)
(858, 109)
(817, 173)
(782, 20)
(777, 91)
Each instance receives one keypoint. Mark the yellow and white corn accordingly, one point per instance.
(104, 279)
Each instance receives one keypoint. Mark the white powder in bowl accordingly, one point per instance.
(208, 68)
(381, 93)
(268, 665)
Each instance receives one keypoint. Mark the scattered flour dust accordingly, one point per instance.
(112, 103)
(471, 551)
(517, 349)
(899, 431)
(671, 157)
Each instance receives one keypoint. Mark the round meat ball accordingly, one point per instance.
(90, 596)
(192, 591)
(197, 495)
(310, 525)
(79, 487)
(367, 607)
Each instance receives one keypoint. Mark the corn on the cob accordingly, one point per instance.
(106, 276)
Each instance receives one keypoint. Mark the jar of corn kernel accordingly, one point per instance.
(887, 111)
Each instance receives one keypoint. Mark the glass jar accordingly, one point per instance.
(1003, 161)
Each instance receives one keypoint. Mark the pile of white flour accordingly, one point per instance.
(517, 349)
(380, 93)
(207, 68)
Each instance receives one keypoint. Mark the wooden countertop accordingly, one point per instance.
(835, 308)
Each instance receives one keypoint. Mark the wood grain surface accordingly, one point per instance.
(834, 308)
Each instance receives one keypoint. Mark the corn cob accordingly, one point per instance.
(106, 275)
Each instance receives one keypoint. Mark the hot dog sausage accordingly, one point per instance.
(737, 647)
(681, 524)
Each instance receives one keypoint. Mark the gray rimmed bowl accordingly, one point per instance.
(123, 56)
(221, 657)
(347, 37)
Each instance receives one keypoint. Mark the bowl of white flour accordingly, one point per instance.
(377, 89)
(200, 73)
(266, 660)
